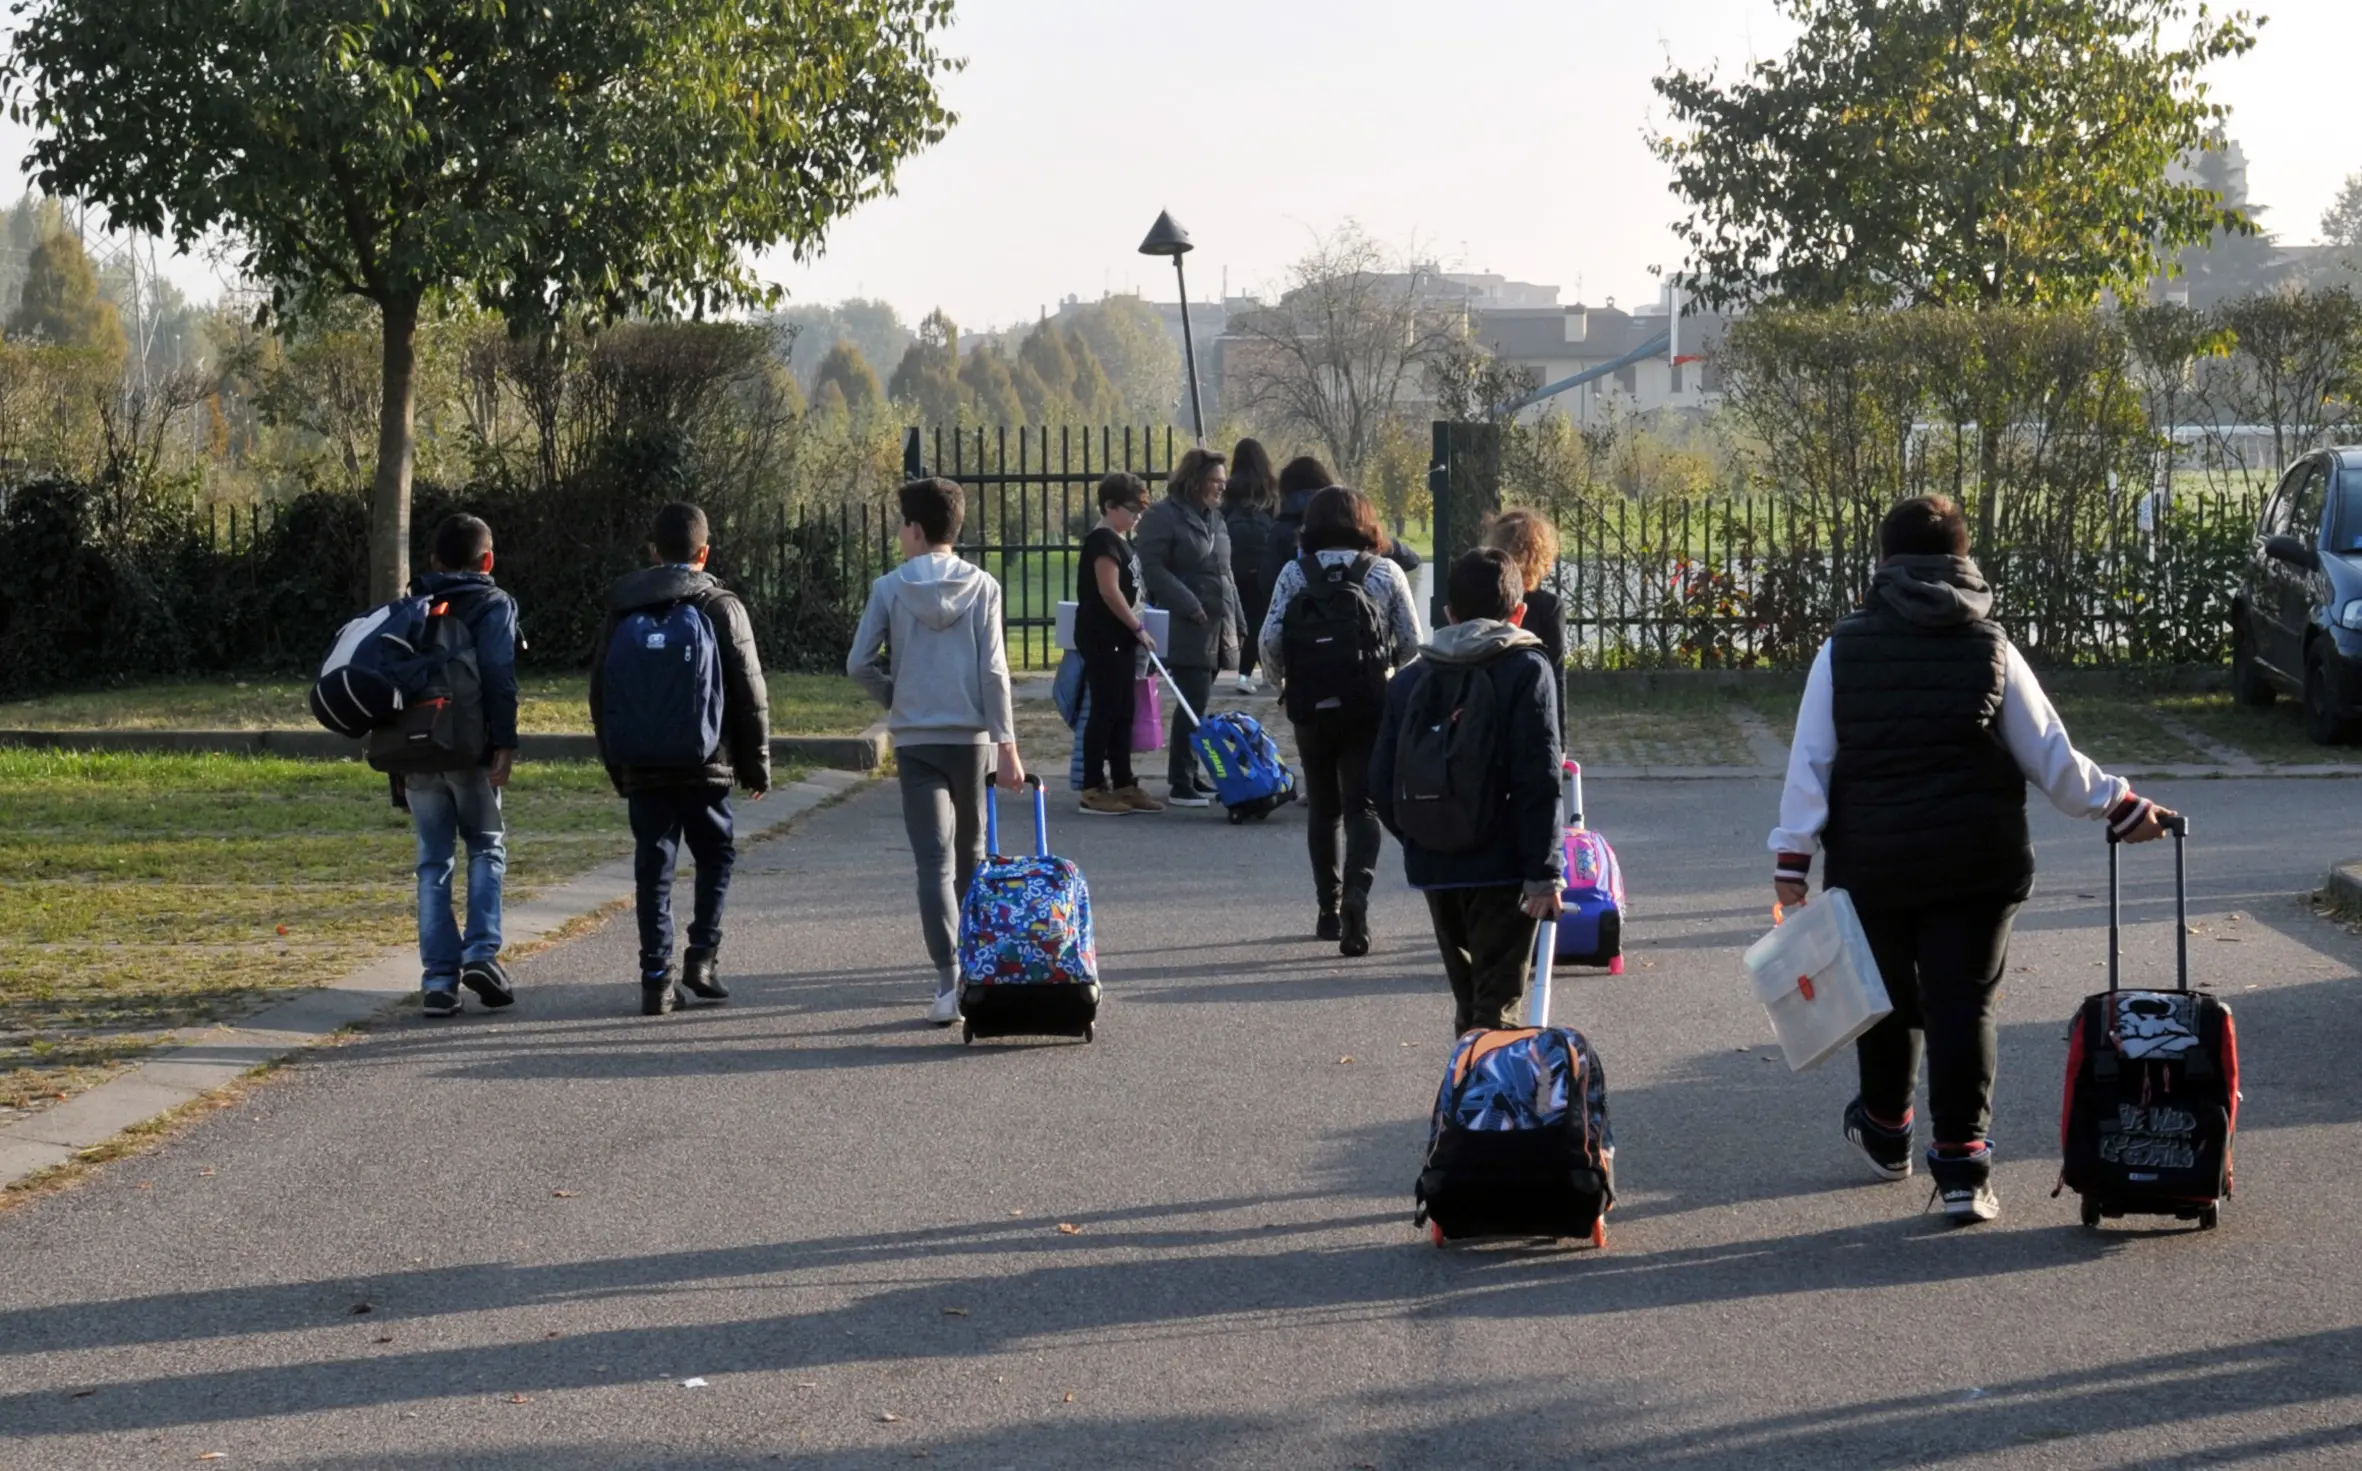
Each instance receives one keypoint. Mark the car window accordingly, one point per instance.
(2275, 517)
(2304, 508)
(2346, 525)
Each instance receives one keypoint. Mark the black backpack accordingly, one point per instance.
(1335, 641)
(1446, 762)
(441, 727)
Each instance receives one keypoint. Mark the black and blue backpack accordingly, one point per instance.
(1519, 1144)
(661, 692)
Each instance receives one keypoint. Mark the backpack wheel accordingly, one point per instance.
(1090, 1032)
(2091, 1213)
(1435, 1233)
(1615, 967)
(1237, 818)
(967, 1033)
(2209, 1218)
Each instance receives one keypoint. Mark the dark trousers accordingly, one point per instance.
(1336, 756)
(1942, 964)
(1112, 683)
(1197, 687)
(1488, 946)
(661, 821)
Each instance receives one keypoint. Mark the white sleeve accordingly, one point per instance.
(1401, 613)
(1804, 802)
(1283, 591)
(2037, 741)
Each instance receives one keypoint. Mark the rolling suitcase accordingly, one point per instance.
(1519, 1144)
(1029, 965)
(1591, 932)
(2152, 1100)
(1249, 777)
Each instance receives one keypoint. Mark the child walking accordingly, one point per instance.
(929, 650)
(1110, 637)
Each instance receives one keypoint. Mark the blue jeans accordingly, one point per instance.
(661, 821)
(445, 807)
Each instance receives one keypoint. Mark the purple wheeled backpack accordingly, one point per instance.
(1591, 931)
(1029, 965)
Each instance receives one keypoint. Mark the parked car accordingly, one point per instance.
(2296, 620)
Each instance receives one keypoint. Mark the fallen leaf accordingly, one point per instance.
(82, 1394)
(213, 1456)
(1070, 1396)
(2226, 939)
(551, 1334)
(889, 1418)
(693, 1382)
(807, 1384)
(563, 1194)
(206, 1171)
(1069, 1228)
(360, 1308)
(1348, 1057)
(1016, 1213)
(383, 1338)
(282, 929)
(518, 1399)
(955, 1312)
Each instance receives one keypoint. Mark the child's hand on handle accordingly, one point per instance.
(1012, 768)
(2139, 820)
(1545, 906)
(1147, 639)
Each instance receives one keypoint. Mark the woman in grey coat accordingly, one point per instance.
(1184, 551)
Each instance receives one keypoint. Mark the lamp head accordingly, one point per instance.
(1166, 237)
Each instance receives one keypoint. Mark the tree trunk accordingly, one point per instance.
(389, 491)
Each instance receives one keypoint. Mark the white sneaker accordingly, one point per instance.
(1246, 684)
(946, 1009)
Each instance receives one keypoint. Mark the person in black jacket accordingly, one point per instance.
(1300, 480)
(670, 804)
(1248, 502)
(1486, 900)
(1532, 543)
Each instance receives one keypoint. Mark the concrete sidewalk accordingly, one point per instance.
(209, 1058)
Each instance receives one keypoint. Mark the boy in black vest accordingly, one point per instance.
(658, 751)
(448, 806)
(1920, 727)
(1493, 865)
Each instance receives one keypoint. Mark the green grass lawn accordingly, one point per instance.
(1623, 724)
(801, 704)
(2274, 735)
(139, 894)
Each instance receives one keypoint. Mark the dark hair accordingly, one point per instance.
(1253, 486)
(460, 543)
(1484, 584)
(1189, 478)
(679, 532)
(1924, 526)
(1123, 488)
(1340, 517)
(1304, 473)
(936, 506)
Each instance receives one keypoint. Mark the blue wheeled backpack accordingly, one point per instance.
(661, 696)
(1029, 963)
(1243, 760)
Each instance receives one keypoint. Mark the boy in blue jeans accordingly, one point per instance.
(447, 806)
(681, 712)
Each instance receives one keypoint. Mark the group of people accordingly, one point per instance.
(1919, 730)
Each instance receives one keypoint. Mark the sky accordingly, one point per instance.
(1501, 135)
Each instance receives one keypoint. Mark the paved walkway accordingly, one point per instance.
(521, 1241)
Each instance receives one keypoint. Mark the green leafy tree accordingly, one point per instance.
(61, 305)
(1139, 357)
(850, 374)
(927, 378)
(558, 160)
(1952, 152)
(871, 326)
(2341, 223)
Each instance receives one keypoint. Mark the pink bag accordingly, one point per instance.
(1148, 716)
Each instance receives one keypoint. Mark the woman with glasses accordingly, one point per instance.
(1110, 637)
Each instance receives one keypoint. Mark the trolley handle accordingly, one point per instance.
(2179, 825)
(1545, 950)
(992, 815)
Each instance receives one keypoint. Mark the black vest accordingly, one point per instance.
(1925, 802)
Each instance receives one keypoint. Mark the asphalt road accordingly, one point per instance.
(508, 1241)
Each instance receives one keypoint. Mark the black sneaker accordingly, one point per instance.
(490, 982)
(439, 1001)
(1353, 935)
(699, 974)
(656, 994)
(1327, 926)
(1887, 1150)
(1964, 1183)
(1189, 797)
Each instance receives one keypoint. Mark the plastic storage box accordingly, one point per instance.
(1817, 980)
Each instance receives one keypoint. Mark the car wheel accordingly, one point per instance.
(2248, 685)
(2326, 720)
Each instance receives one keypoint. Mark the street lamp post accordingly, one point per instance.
(1166, 237)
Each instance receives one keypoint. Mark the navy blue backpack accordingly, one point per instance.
(661, 701)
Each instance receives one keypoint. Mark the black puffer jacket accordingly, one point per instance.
(745, 757)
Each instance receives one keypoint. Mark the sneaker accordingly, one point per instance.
(700, 974)
(1189, 797)
(1353, 929)
(489, 980)
(1246, 684)
(656, 994)
(1100, 802)
(1964, 1183)
(1327, 927)
(946, 1009)
(440, 1001)
(1138, 800)
(1887, 1150)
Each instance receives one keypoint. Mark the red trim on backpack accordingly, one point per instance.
(2230, 1068)
(2075, 1049)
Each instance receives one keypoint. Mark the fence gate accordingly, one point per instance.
(1464, 480)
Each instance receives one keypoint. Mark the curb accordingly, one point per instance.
(213, 1057)
(864, 752)
(2344, 889)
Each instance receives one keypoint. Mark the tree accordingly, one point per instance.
(927, 378)
(2296, 359)
(850, 374)
(61, 305)
(570, 159)
(872, 327)
(1951, 152)
(985, 374)
(1332, 359)
(2341, 223)
(1135, 353)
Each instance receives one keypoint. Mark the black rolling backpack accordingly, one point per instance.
(2152, 1100)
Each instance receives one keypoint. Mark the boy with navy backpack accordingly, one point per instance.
(1466, 774)
(681, 712)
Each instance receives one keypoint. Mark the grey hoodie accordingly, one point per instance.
(1476, 641)
(929, 650)
(1933, 591)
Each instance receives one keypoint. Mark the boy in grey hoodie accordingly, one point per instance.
(929, 649)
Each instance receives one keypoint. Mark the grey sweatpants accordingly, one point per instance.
(943, 797)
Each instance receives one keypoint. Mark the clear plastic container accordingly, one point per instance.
(1817, 980)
